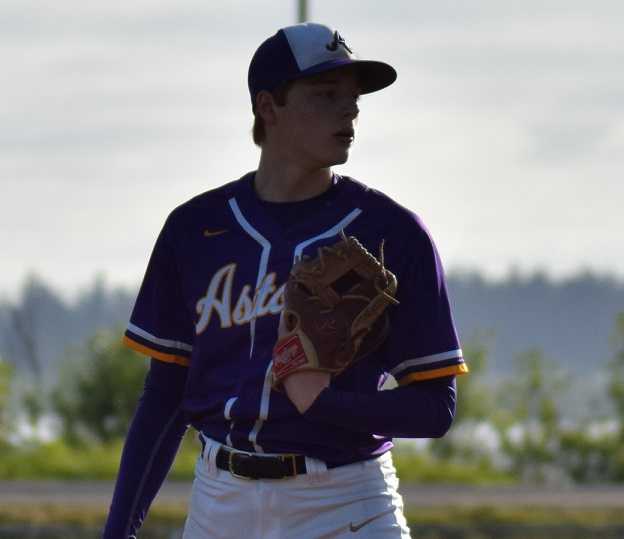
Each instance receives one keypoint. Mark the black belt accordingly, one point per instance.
(249, 466)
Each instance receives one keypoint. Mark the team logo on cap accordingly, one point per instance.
(338, 40)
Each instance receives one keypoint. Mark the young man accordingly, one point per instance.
(312, 460)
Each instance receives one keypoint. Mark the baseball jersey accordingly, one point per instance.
(213, 292)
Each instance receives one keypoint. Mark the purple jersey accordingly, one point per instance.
(213, 292)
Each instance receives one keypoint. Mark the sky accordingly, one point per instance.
(504, 130)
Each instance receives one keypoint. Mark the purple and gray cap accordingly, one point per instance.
(307, 49)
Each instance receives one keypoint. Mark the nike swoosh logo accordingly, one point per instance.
(210, 233)
(357, 527)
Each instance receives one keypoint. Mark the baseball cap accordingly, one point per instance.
(307, 49)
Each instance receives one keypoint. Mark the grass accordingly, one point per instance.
(174, 514)
(515, 523)
(421, 467)
(519, 515)
(81, 515)
(57, 460)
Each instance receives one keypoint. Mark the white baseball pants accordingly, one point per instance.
(356, 501)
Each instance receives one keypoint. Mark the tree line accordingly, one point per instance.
(524, 415)
(569, 320)
(515, 425)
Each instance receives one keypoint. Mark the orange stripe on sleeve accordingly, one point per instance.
(462, 368)
(142, 349)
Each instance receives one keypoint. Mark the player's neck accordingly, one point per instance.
(287, 182)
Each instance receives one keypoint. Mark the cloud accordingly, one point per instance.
(503, 116)
(565, 143)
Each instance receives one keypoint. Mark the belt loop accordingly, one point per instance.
(200, 437)
(209, 454)
(316, 470)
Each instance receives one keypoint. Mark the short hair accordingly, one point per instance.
(279, 94)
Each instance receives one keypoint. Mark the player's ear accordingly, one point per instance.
(265, 107)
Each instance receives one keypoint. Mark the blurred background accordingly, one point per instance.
(504, 132)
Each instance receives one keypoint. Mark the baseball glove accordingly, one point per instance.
(334, 310)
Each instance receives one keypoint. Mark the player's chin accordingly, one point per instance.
(333, 154)
(342, 159)
(339, 156)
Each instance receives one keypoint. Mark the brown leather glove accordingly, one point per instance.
(334, 310)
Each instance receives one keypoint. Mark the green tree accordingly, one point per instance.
(616, 372)
(474, 406)
(599, 456)
(590, 458)
(528, 418)
(474, 397)
(97, 391)
(6, 376)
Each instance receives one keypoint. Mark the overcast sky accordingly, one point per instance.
(504, 130)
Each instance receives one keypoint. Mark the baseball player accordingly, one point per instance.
(287, 452)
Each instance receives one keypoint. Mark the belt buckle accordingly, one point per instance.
(231, 467)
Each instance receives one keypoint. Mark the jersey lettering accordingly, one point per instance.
(267, 300)
(244, 307)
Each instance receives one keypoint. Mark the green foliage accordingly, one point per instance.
(426, 467)
(528, 417)
(183, 468)
(515, 514)
(60, 460)
(588, 458)
(98, 390)
(599, 456)
(616, 371)
(475, 403)
(6, 377)
(481, 522)
(474, 398)
(531, 394)
(592, 455)
(33, 402)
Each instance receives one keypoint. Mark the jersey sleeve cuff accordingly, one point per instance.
(448, 363)
(163, 349)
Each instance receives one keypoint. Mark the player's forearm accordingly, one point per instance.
(420, 410)
(151, 445)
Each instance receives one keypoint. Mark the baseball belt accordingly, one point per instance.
(249, 466)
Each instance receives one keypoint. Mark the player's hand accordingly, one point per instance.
(334, 313)
(303, 387)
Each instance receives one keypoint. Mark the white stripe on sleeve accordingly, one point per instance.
(426, 360)
(157, 340)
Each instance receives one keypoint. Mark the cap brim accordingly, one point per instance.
(373, 75)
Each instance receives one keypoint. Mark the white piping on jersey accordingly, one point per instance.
(327, 234)
(228, 407)
(227, 414)
(157, 340)
(266, 388)
(424, 360)
(264, 409)
(262, 266)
